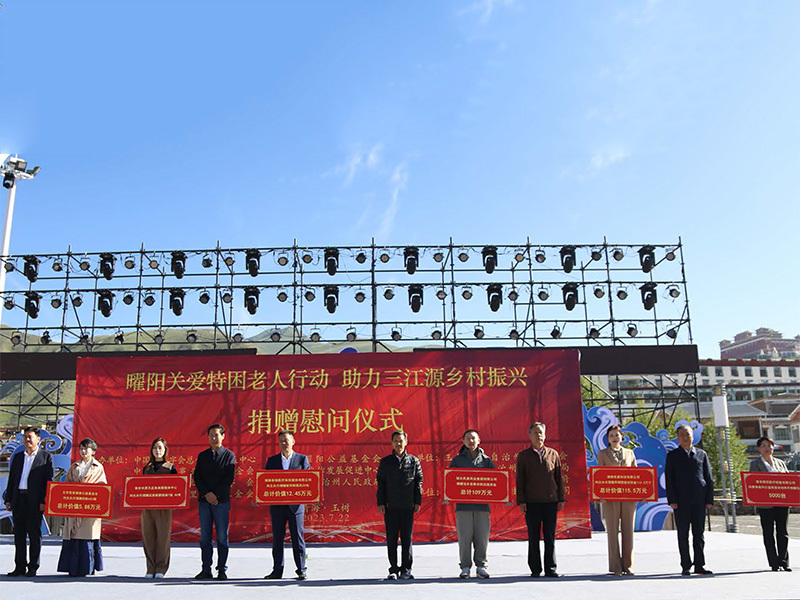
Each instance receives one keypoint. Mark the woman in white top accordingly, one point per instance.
(774, 519)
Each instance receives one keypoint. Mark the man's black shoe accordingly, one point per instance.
(274, 575)
(302, 576)
(552, 574)
(686, 572)
(222, 576)
(702, 571)
(536, 574)
(16, 573)
(30, 573)
(204, 575)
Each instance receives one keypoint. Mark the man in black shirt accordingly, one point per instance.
(213, 477)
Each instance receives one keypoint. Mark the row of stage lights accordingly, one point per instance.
(494, 297)
(411, 260)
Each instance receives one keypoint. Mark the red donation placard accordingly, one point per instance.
(78, 500)
(288, 487)
(761, 488)
(623, 484)
(156, 491)
(476, 486)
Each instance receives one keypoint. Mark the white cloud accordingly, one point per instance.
(399, 181)
(601, 161)
(356, 162)
(485, 8)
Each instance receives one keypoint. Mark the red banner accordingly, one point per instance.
(761, 488)
(288, 487)
(343, 408)
(476, 486)
(156, 491)
(623, 484)
(77, 499)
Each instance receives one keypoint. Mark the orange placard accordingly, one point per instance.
(623, 484)
(761, 488)
(156, 491)
(288, 487)
(476, 486)
(78, 500)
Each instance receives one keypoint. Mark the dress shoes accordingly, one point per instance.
(16, 573)
(301, 576)
(552, 574)
(702, 571)
(274, 575)
(30, 573)
(686, 572)
(222, 576)
(204, 575)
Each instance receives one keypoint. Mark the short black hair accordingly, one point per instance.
(285, 432)
(88, 443)
(764, 438)
(216, 426)
(399, 432)
(34, 430)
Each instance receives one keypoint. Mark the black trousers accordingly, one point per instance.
(691, 516)
(400, 522)
(776, 536)
(540, 517)
(27, 523)
(281, 516)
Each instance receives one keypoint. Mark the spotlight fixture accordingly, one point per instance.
(227, 296)
(556, 332)
(670, 255)
(599, 291)
(191, 336)
(310, 295)
(331, 296)
(672, 333)
(478, 332)
(55, 301)
(438, 256)
(205, 297)
(570, 295)
(8, 303)
(84, 338)
(360, 296)
(16, 338)
(618, 254)
(238, 337)
(45, 339)
(107, 261)
(119, 338)
(647, 258)
(441, 293)
(411, 259)
(567, 258)
(494, 295)
(9, 180)
(388, 293)
(178, 263)
(31, 268)
(127, 298)
(436, 334)
(513, 333)
(58, 265)
(489, 254)
(84, 264)
(397, 335)
(315, 336)
(539, 256)
(283, 259)
(361, 257)
(331, 260)
(9, 265)
(649, 296)
(105, 302)
(32, 300)
(77, 299)
(674, 291)
(513, 295)
(543, 294)
(596, 254)
(594, 333)
(463, 256)
(275, 336)
(229, 259)
(158, 338)
(622, 293)
(283, 296)
(415, 297)
(207, 262)
(384, 256)
(307, 257)
(253, 261)
(466, 292)
(154, 263)
(149, 299)
(633, 331)
(519, 255)
(176, 301)
(351, 334)
(130, 262)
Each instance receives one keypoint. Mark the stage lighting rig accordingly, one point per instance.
(253, 261)
(567, 258)
(45, 339)
(489, 254)
(331, 296)
(570, 295)
(31, 268)
(411, 259)
(351, 334)
(178, 263)
(331, 260)
(32, 300)
(478, 332)
(494, 295)
(649, 296)
(176, 301)
(415, 297)
(105, 302)
(251, 299)
(647, 258)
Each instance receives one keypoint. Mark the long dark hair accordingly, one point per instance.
(166, 450)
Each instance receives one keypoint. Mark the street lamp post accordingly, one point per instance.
(12, 170)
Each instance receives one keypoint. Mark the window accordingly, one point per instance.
(704, 371)
(718, 371)
(762, 371)
(781, 433)
(796, 435)
(777, 371)
(742, 396)
(792, 372)
(734, 371)
(706, 382)
(748, 371)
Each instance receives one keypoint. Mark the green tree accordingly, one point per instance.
(739, 459)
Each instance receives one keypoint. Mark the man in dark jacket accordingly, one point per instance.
(399, 497)
(28, 475)
(690, 490)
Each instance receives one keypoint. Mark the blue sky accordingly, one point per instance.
(177, 124)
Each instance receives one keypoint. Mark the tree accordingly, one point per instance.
(739, 459)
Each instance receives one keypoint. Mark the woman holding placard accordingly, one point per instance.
(157, 523)
(774, 519)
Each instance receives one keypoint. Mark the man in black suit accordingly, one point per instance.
(29, 473)
(690, 490)
(291, 514)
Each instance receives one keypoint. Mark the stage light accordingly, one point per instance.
(105, 302)
(8, 303)
(599, 291)
(253, 261)
(31, 268)
(45, 339)
(77, 299)
(227, 296)
(415, 297)
(283, 296)
(84, 338)
(16, 338)
(543, 294)
(672, 333)
(513, 295)
(8, 180)
(478, 332)
(127, 298)
(618, 254)
(384, 256)
(411, 259)
(360, 296)
(539, 256)
(107, 262)
(176, 301)
(397, 335)
(594, 333)
(315, 336)
(489, 254)
(647, 258)
(58, 265)
(55, 301)
(275, 336)
(9, 265)
(119, 338)
(388, 293)
(361, 257)
(674, 291)
(84, 264)
(513, 334)
(238, 338)
(436, 334)
(207, 262)
(32, 300)
(556, 332)
(351, 334)
(331, 260)
(307, 257)
(494, 296)
(463, 255)
(633, 331)
(191, 337)
(622, 293)
(441, 293)
(158, 338)
(331, 296)
(229, 259)
(670, 255)
(154, 263)
(283, 259)
(596, 254)
(310, 295)
(466, 292)
(178, 263)
(438, 256)
(567, 258)
(649, 296)
(570, 295)
(205, 297)
(130, 262)
(149, 299)
(519, 255)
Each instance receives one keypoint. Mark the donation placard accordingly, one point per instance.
(623, 484)
(78, 500)
(761, 488)
(476, 486)
(156, 491)
(288, 487)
